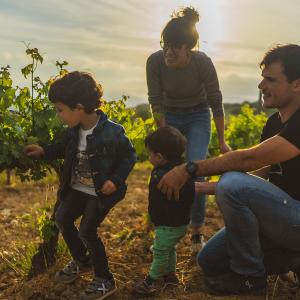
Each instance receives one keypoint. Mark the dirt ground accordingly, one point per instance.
(127, 236)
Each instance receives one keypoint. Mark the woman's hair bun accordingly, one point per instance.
(189, 13)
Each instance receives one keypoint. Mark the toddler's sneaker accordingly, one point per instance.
(72, 271)
(146, 287)
(170, 280)
(99, 288)
(198, 243)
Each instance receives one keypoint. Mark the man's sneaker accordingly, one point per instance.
(235, 284)
(72, 271)
(146, 287)
(198, 243)
(170, 280)
(296, 272)
(99, 288)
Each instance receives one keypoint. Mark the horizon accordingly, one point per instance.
(112, 39)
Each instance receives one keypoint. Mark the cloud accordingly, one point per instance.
(237, 88)
(113, 38)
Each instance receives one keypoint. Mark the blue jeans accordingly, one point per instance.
(195, 126)
(262, 229)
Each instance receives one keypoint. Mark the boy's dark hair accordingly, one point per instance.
(288, 56)
(181, 29)
(77, 88)
(167, 141)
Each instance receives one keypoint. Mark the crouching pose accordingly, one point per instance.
(261, 210)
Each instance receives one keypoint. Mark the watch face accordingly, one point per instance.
(191, 168)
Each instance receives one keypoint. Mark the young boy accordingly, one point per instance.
(166, 146)
(97, 160)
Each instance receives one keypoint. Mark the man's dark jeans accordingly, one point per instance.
(93, 211)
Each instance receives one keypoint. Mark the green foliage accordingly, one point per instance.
(27, 116)
(143, 111)
(136, 128)
(46, 226)
(242, 130)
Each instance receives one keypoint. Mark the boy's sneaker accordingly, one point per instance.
(198, 243)
(232, 283)
(72, 271)
(170, 279)
(99, 288)
(146, 287)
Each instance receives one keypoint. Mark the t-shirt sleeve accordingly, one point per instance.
(291, 131)
(263, 135)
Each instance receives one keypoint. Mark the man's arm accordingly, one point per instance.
(271, 151)
(206, 187)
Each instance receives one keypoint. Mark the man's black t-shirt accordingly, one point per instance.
(164, 212)
(285, 174)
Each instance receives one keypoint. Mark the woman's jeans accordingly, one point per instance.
(196, 127)
(85, 240)
(262, 229)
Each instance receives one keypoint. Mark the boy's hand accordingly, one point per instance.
(34, 150)
(108, 187)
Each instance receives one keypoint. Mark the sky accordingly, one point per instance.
(113, 38)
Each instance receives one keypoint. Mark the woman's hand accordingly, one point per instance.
(224, 147)
(108, 188)
(34, 150)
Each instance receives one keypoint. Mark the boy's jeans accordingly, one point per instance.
(195, 126)
(262, 229)
(164, 252)
(78, 204)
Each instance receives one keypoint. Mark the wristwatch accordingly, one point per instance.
(191, 167)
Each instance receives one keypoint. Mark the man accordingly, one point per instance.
(261, 211)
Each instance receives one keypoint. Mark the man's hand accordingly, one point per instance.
(173, 181)
(34, 150)
(108, 187)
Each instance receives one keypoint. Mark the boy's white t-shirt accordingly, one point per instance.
(81, 176)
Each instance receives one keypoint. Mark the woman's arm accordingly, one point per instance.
(220, 127)
(154, 89)
(214, 99)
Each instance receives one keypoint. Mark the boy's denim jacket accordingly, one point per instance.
(110, 154)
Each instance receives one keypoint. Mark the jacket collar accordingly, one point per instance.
(102, 120)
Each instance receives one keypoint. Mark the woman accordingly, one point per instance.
(182, 86)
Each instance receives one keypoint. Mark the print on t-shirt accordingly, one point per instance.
(82, 171)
